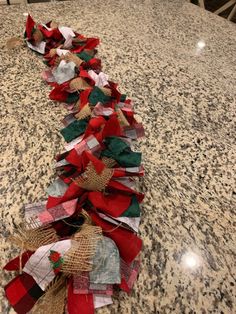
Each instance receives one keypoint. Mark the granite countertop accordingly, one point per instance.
(178, 63)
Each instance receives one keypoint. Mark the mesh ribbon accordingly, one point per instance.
(54, 24)
(52, 52)
(106, 91)
(121, 117)
(37, 36)
(109, 162)
(79, 257)
(72, 57)
(83, 113)
(92, 181)
(32, 239)
(53, 301)
(79, 84)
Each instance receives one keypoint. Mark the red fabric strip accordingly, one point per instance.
(14, 264)
(115, 185)
(79, 303)
(128, 243)
(84, 97)
(29, 26)
(112, 127)
(72, 192)
(113, 204)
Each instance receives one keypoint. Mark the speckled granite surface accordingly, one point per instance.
(186, 99)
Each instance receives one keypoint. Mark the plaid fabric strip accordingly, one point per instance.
(31, 214)
(90, 143)
(130, 272)
(68, 119)
(129, 172)
(101, 288)
(61, 163)
(39, 266)
(58, 212)
(69, 146)
(99, 79)
(68, 173)
(125, 107)
(101, 110)
(23, 292)
(48, 76)
(39, 215)
(127, 222)
(81, 285)
(101, 300)
(126, 181)
(135, 131)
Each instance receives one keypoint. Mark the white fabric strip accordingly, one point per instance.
(100, 79)
(40, 48)
(39, 266)
(101, 300)
(68, 34)
(71, 145)
(131, 222)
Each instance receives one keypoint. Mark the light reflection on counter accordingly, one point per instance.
(200, 46)
(191, 260)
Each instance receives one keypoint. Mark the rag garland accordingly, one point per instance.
(81, 245)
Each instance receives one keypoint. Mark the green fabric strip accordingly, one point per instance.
(74, 130)
(97, 95)
(122, 97)
(72, 98)
(134, 208)
(121, 152)
(84, 56)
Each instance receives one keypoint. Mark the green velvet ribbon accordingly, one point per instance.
(121, 152)
(133, 210)
(74, 129)
(97, 95)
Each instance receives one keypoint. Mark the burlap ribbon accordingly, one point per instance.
(83, 113)
(53, 301)
(92, 181)
(32, 239)
(79, 257)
